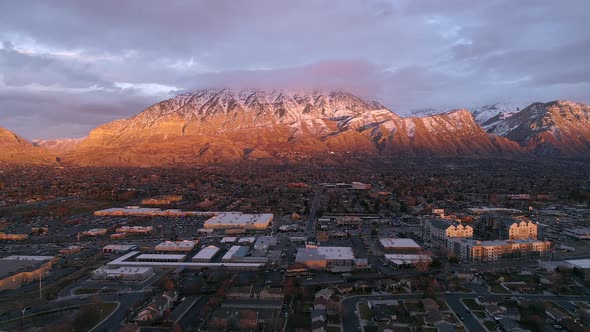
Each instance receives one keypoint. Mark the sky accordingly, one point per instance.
(67, 66)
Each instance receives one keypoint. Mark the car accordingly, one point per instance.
(310, 278)
(461, 318)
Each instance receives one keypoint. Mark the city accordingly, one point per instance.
(343, 248)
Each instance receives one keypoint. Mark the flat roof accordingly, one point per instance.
(177, 244)
(405, 259)
(239, 219)
(327, 253)
(120, 246)
(160, 256)
(206, 253)
(399, 243)
(123, 269)
(27, 258)
(581, 263)
(123, 262)
(233, 251)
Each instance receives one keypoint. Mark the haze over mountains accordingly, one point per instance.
(229, 125)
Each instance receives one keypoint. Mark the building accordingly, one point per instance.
(400, 245)
(135, 229)
(69, 250)
(16, 271)
(160, 258)
(493, 227)
(176, 246)
(13, 237)
(438, 230)
(405, 260)
(235, 252)
(265, 242)
(118, 248)
(239, 220)
(123, 273)
(348, 221)
(148, 212)
(157, 307)
(95, 232)
(578, 233)
(583, 265)
(473, 250)
(162, 200)
(129, 259)
(206, 254)
(325, 258)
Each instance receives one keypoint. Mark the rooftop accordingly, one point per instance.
(206, 253)
(160, 256)
(580, 263)
(399, 243)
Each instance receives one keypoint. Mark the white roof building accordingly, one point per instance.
(160, 258)
(235, 252)
(399, 243)
(176, 246)
(206, 254)
(229, 239)
(407, 259)
(27, 258)
(239, 220)
(118, 248)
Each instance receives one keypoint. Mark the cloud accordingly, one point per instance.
(86, 62)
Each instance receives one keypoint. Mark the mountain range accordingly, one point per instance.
(235, 125)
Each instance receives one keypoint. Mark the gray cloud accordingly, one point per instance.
(86, 62)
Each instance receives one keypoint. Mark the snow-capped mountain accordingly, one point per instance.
(558, 128)
(228, 125)
(217, 125)
(58, 145)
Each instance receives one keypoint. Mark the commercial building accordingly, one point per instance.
(400, 245)
(322, 258)
(206, 254)
(348, 221)
(473, 250)
(578, 233)
(13, 237)
(162, 200)
(16, 271)
(129, 260)
(123, 273)
(265, 242)
(135, 229)
(95, 232)
(239, 220)
(438, 230)
(228, 239)
(235, 252)
(176, 246)
(583, 265)
(148, 212)
(407, 260)
(69, 250)
(118, 248)
(160, 258)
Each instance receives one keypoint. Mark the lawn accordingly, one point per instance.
(479, 314)
(364, 311)
(491, 326)
(471, 304)
(496, 288)
(413, 306)
(333, 329)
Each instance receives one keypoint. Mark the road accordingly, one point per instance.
(311, 220)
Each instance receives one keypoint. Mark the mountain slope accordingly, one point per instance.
(59, 145)
(557, 128)
(17, 150)
(489, 116)
(227, 125)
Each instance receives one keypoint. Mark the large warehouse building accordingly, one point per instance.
(239, 220)
(322, 258)
(400, 245)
